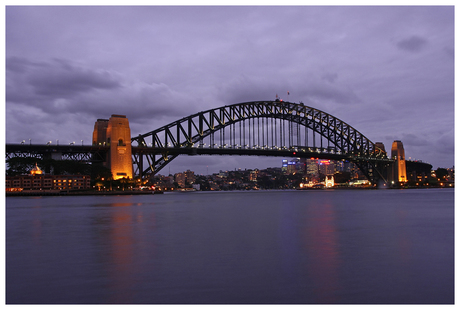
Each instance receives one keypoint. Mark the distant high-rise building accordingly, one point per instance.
(399, 168)
(180, 179)
(326, 167)
(312, 166)
(183, 179)
(284, 165)
(253, 175)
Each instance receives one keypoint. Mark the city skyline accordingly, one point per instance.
(386, 71)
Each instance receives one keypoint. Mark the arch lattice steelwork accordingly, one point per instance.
(270, 128)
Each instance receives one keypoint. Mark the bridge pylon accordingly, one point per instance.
(116, 134)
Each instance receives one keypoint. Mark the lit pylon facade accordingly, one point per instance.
(399, 169)
(116, 134)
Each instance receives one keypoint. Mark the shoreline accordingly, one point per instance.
(79, 193)
(118, 193)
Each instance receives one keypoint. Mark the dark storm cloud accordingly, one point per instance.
(57, 78)
(61, 78)
(61, 86)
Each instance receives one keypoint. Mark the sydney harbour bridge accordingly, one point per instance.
(259, 128)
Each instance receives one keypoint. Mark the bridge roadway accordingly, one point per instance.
(89, 153)
(302, 152)
(94, 153)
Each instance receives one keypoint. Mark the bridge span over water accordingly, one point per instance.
(259, 128)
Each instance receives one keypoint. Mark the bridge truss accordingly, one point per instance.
(88, 154)
(269, 128)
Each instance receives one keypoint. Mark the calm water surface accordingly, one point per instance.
(300, 247)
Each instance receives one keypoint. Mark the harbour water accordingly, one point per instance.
(255, 247)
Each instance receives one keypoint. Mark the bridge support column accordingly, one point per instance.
(398, 171)
(116, 134)
(140, 166)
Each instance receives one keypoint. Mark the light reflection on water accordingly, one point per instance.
(237, 247)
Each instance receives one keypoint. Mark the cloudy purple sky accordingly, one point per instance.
(387, 71)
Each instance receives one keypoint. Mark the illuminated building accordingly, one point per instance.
(284, 165)
(418, 171)
(116, 134)
(180, 179)
(184, 178)
(292, 166)
(312, 166)
(253, 175)
(37, 181)
(190, 176)
(399, 168)
(329, 181)
(326, 167)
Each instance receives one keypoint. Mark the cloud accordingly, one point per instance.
(414, 140)
(412, 44)
(53, 85)
(330, 77)
(39, 94)
(61, 78)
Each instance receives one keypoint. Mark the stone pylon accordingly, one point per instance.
(116, 134)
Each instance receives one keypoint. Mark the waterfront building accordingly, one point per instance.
(329, 181)
(183, 179)
(451, 174)
(37, 180)
(180, 179)
(190, 176)
(418, 171)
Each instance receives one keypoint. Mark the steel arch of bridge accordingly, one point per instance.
(285, 129)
